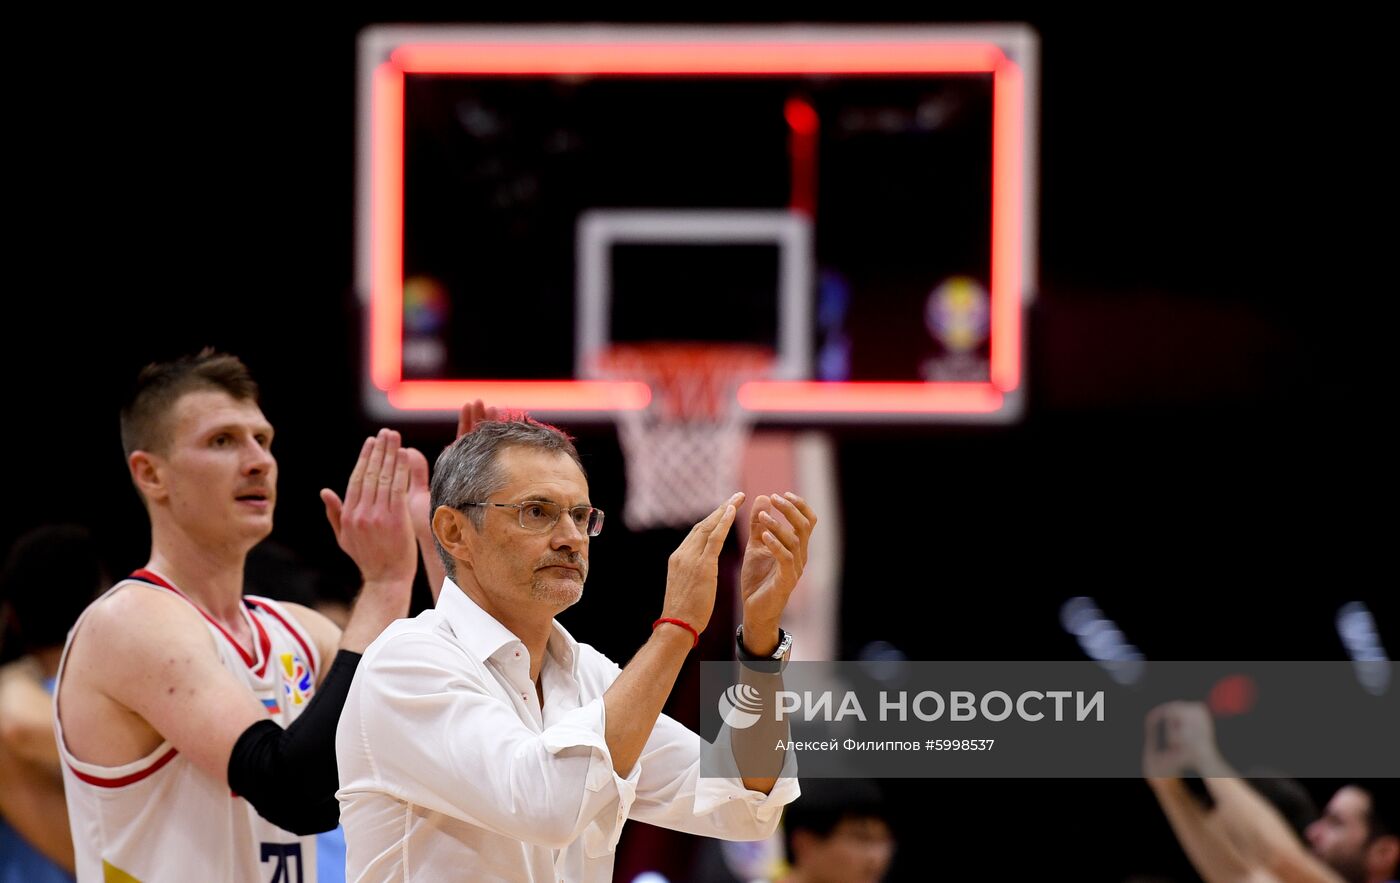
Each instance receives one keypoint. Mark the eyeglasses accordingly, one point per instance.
(540, 516)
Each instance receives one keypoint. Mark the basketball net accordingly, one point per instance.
(685, 449)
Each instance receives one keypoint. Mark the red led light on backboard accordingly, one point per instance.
(722, 52)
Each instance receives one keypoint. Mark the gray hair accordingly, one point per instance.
(467, 471)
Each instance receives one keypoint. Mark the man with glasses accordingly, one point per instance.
(481, 741)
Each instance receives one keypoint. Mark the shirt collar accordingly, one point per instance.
(483, 635)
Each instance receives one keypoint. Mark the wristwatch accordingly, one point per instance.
(773, 663)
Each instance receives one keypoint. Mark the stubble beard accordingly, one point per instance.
(559, 592)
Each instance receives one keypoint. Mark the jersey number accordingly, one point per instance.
(281, 852)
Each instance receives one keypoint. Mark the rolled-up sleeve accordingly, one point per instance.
(435, 733)
(672, 793)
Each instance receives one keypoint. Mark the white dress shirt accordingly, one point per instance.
(451, 770)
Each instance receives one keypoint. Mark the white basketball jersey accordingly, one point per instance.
(159, 818)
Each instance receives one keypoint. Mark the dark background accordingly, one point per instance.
(1204, 449)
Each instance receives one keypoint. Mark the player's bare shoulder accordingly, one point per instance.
(129, 624)
(121, 644)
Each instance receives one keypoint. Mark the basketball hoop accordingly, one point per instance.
(685, 449)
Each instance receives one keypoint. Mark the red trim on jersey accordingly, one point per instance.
(264, 642)
(295, 632)
(118, 782)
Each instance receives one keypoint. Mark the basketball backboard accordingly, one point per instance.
(858, 199)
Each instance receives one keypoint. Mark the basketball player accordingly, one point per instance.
(196, 725)
(1244, 838)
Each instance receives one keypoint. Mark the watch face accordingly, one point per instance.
(783, 646)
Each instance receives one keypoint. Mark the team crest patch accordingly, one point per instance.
(296, 683)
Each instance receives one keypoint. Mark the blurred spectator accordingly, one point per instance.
(51, 575)
(1245, 837)
(838, 831)
(1358, 835)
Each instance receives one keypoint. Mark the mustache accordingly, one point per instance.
(571, 559)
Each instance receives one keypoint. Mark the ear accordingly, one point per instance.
(148, 475)
(455, 533)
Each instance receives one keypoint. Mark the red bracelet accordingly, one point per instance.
(683, 624)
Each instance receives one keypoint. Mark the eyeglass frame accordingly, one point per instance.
(520, 514)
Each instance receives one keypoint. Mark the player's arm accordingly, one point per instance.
(1202, 838)
(26, 717)
(1243, 829)
(31, 802)
(367, 529)
(1252, 823)
(159, 663)
(374, 527)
